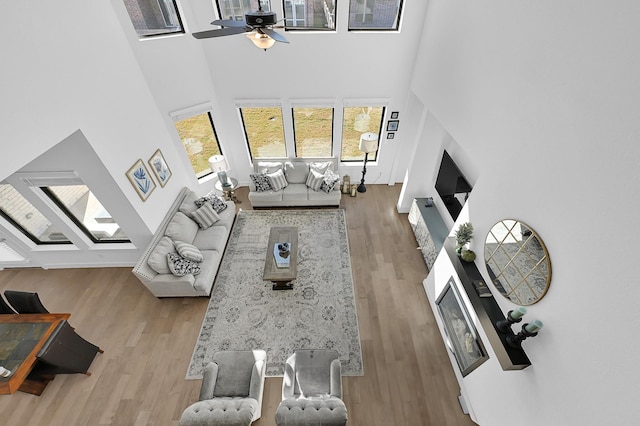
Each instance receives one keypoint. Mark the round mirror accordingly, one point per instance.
(517, 262)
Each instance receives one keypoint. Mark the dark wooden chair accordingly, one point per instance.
(64, 353)
(25, 302)
(5, 308)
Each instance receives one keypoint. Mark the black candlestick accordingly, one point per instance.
(505, 325)
(515, 341)
(361, 187)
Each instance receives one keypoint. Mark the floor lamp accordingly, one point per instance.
(218, 164)
(368, 143)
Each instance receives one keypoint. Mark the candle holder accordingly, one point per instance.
(516, 341)
(504, 325)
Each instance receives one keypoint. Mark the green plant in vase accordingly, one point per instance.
(464, 234)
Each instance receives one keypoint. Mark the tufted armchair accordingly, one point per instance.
(312, 390)
(231, 392)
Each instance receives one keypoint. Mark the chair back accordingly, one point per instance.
(5, 308)
(25, 302)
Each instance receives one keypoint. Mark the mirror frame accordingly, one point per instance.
(521, 261)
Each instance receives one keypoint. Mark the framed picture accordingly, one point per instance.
(462, 337)
(390, 135)
(394, 115)
(392, 125)
(159, 167)
(141, 180)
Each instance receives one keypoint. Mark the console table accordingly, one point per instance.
(429, 229)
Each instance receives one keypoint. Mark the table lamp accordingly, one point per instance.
(218, 164)
(368, 143)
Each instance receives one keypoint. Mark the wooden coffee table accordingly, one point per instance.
(281, 276)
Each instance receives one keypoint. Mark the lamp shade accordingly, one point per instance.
(261, 40)
(368, 142)
(218, 163)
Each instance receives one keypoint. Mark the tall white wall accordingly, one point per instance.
(542, 98)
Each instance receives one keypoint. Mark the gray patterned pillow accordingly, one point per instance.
(329, 181)
(189, 251)
(179, 266)
(314, 180)
(205, 216)
(261, 181)
(216, 201)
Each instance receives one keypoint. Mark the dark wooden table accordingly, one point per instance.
(282, 277)
(21, 337)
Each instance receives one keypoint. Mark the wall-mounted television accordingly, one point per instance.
(452, 186)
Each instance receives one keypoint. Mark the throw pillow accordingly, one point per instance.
(296, 171)
(261, 181)
(217, 202)
(205, 216)
(158, 257)
(321, 166)
(329, 181)
(181, 228)
(180, 266)
(277, 180)
(314, 180)
(268, 166)
(189, 251)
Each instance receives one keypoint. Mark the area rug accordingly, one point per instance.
(244, 312)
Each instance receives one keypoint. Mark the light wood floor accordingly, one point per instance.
(139, 380)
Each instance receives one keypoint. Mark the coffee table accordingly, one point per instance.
(281, 276)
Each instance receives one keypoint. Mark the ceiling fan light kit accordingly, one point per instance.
(258, 24)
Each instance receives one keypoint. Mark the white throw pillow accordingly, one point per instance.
(314, 180)
(158, 257)
(277, 180)
(321, 167)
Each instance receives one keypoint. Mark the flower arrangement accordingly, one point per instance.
(464, 234)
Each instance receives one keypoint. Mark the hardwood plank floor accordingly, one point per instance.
(139, 380)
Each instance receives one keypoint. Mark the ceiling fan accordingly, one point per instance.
(258, 24)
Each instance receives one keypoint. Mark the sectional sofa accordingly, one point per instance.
(181, 235)
(298, 188)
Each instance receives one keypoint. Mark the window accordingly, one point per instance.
(264, 131)
(313, 130)
(84, 209)
(154, 17)
(358, 120)
(374, 14)
(236, 9)
(200, 141)
(27, 219)
(309, 14)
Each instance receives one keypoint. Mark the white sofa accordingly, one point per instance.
(296, 193)
(177, 225)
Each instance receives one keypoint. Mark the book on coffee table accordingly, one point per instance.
(281, 262)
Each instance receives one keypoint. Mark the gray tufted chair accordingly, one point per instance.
(312, 390)
(231, 392)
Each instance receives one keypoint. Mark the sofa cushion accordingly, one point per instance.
(181, 228)
(208, 268)
(213, 238)
(266, 196)
(261, 181)
(332, 197)
(268, 166)
(205, 216)
(296, 171)
(295, 191)
(321, 166)
(188, 203)
(158, 257)
(314, 180)
(189, 251)
(277, 180)
(329, 181)
(179, 266)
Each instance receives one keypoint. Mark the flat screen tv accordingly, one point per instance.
(452, 186)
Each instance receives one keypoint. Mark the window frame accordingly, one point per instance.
(266, 7)
(266, 104)
(164, 18)
(398, 19)
(306, 28)
(380, 131)
(29, 235)
(293, 127)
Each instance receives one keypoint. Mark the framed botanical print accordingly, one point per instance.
(160, 168)
(141, 180)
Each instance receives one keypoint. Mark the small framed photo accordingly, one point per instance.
(392, 125)
(394, 115)
(160, 168)
(141, 180)
(391, 135)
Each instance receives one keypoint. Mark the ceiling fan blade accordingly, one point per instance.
(274, 35)
(229, 23)
(221, 32)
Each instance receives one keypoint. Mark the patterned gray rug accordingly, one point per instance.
(245, 313)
